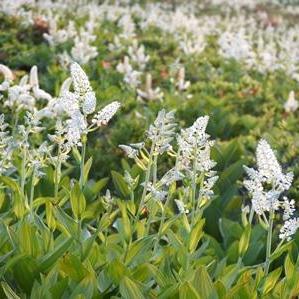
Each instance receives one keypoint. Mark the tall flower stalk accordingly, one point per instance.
(195, 163)
(80, 104)
(265, 186)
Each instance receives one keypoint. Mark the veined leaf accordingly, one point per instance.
(78, 202)
(99, 185)
(280, 250)
(195, 235)
(129, 289)
(68, 223)
(138, 249)
(270, 281)
(244, 241)
(12, 184)
(120, 184)
(125, 224)
(86, 170)
(10, 294)
(50, 258)
(187, 291)
(203, 284)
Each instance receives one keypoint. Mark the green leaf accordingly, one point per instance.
(59, 288)
(270, 281)
(10, 294)
(50, 258)
(42, 200)
(129, 289)
(138, 249)
(86, 170)
(25, 271)
(125, 225)
(27, 241)
(68, 223)
(76, 154)
(99, 185)
(231, 273)
(83, 290)
(280, 250)
(244, 241)
(229, 176)
(196, 234)
(289, 267)
(78, 202)
(171, 291)
(221, 290)
(117, 270)
(230, 230)
(12, 184)
(187, 291)
(72, 267)
(120, 183)
(203, 284)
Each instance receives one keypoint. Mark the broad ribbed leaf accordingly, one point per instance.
(129, 289)
(187, 291)
(138, 249)
(120, 184)
(51, 258)
(195, 235)
(203, 284)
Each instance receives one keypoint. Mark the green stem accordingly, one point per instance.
(202, 179)
(251, 215)
(163, 217)
(57, 174)
(79, 238)
(127, 250)
(147, 178)
(269, 241)
(23, 173)
(155, 162)
(82, 162)
(32, 192)
(16, 120)
(193, 190)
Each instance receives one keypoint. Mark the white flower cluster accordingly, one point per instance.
(162, 131)
(131, 76)
(245, 33)
(181, 206)
(24, 94)
(149, 93)
(194, 155)
(291, 105)
(236, 45)
(56, 36)
(265, 186)
(103, 116)
(194, 147)
(81, 103)
(193, 164)
(289, 228)
(182, 84)
(8, 77)
(6, 146)
(133, 65)
(82, 51)
(137, 55)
